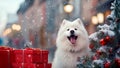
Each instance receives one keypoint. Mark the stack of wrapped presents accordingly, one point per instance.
(23, 58)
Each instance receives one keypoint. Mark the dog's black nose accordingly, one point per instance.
(72, 32)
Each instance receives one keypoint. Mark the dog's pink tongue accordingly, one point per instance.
(72, 40)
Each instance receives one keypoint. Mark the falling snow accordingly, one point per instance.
(41, 18)
(33, 21)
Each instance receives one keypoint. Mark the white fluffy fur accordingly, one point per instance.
(64, 58)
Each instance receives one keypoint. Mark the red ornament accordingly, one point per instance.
(117, 61)
(91, 46)
(94, 58)
(107, 65)
(103, 42)
(107, 39)
(99, 52)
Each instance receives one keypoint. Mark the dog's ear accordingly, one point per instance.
(79, 21)
(64, 21)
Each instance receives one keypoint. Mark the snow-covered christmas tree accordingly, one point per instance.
(105, 43)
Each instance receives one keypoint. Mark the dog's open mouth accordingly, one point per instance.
(72, 39)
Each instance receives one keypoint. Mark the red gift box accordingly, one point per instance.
(37, 56)
(4, 59)
(5, 53)
(5, 48)
(40, 65)
(28, 55)
(23, 58)
(32, 55)
(49, 65)
(18, 56)
(45, 56)
(29, 65)
(17, 65)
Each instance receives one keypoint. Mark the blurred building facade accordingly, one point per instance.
(33, 22)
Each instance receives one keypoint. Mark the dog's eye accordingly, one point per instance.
(75, 28)
(68, 29)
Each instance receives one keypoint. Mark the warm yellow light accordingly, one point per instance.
(16, 27)
(68, 8)
(95, 20)
(7, 31)
(100, 17)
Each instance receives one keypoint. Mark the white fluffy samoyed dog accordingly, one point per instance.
(72, 42)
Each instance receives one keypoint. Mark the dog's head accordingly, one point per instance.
(72, 35)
